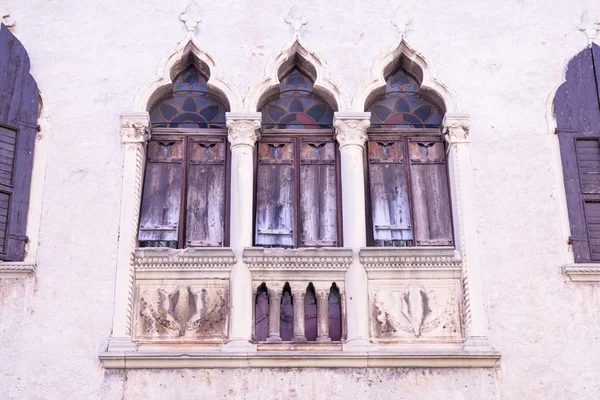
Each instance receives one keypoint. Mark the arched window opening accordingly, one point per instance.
(286, 324)
(407, 173)
(261, 314)
(335, 313)
(297, 185)
(310, 314)
(185, 194)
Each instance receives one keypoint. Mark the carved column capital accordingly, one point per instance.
(243, 128)
(298, 295)
(275, 294)
(134, 127)
(456, 128)
(351, 128)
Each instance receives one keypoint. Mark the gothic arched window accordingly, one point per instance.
(297, 182)
(407, 173)
(185, 193)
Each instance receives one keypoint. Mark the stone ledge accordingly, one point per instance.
(404, 359)
(583, 272)
(442, 262)
(324, 258)
(16, 270)
(189, 263)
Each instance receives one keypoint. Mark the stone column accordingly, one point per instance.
(323, 315)
(134, 135)
(456, 129)
(243, 133)
(351, 134)
(299, 333)
(274, 314)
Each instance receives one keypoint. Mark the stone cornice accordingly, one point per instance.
(134, 127)
(409, 258)
(156, 263)
(456, 128)
(14, 270)
(308, 359)
(243, 128)
(351, 128)
(582, 272)
(325, 259)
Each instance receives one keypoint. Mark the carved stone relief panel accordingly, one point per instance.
(190, 311)
(415, 310)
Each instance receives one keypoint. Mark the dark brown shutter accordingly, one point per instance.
(390, 208)
(577, 112)
(286, 317)
(275, 189)
(429, 192)
(19, 107)
(318, 211)
(205, 223)
(161, 204)
(335, 314)
(261, 314)
(310, 314)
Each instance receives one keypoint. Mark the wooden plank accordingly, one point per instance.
(275, 183)
(429, 192)
(206, 204)
(4, 199)
(261, 315)
(318, 208)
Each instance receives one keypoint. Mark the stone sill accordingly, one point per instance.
(429, 251)
(16, 270)
(435, 262)
(295, 359)
(188, 263)
(583, 272)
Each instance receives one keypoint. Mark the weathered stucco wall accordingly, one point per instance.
(502, 60)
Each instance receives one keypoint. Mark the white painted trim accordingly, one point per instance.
(295, 359)
(323, 85)
(172, 64)
(383, 65)
(16, 270)
(582, 272)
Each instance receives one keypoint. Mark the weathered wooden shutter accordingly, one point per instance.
(161, 204)
(317, 209)
(429, 192)
(576, 106)
(275, 193)
(19, 107)
(390, 208)
(205, 224)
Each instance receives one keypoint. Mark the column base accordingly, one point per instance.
(116, 344)
(239, 346)
(274, 338)
(299, 339)
(360, 345)
(323, 339)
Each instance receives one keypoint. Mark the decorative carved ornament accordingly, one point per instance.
(351, 128)
(186, 259)
(195, 312)
(6, 18)
(191, 17)
(416, 310)
(385, 262)
(243, 129)
(134, 128)
(401, 20)
(296, 18)
(330, 259)
(590, 26)
(456, 128)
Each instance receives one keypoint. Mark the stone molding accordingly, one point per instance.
(297, 359)
(243, 128)
(259, 258)
(351, 128)
(589, 26)
(134, 127)
(582, 272)
(190, 258)
(14, 270)
(409, 258)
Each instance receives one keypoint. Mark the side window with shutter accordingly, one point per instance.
(19, 107)
(577, 111)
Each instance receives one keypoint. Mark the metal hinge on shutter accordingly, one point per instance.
(21, 238)
(576, 239)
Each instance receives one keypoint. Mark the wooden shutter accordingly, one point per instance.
(429, 192)
(275, 189)
(205, 219)
(19, 107)
(317, 208)
(388, 188)
(576, 106)
(161, 204)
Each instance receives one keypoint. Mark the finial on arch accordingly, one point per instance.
(590, 25)
(296, 19)
(6, 18)
(401, 20)
(191, 17)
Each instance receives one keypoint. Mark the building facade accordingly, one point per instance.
(347, 200)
